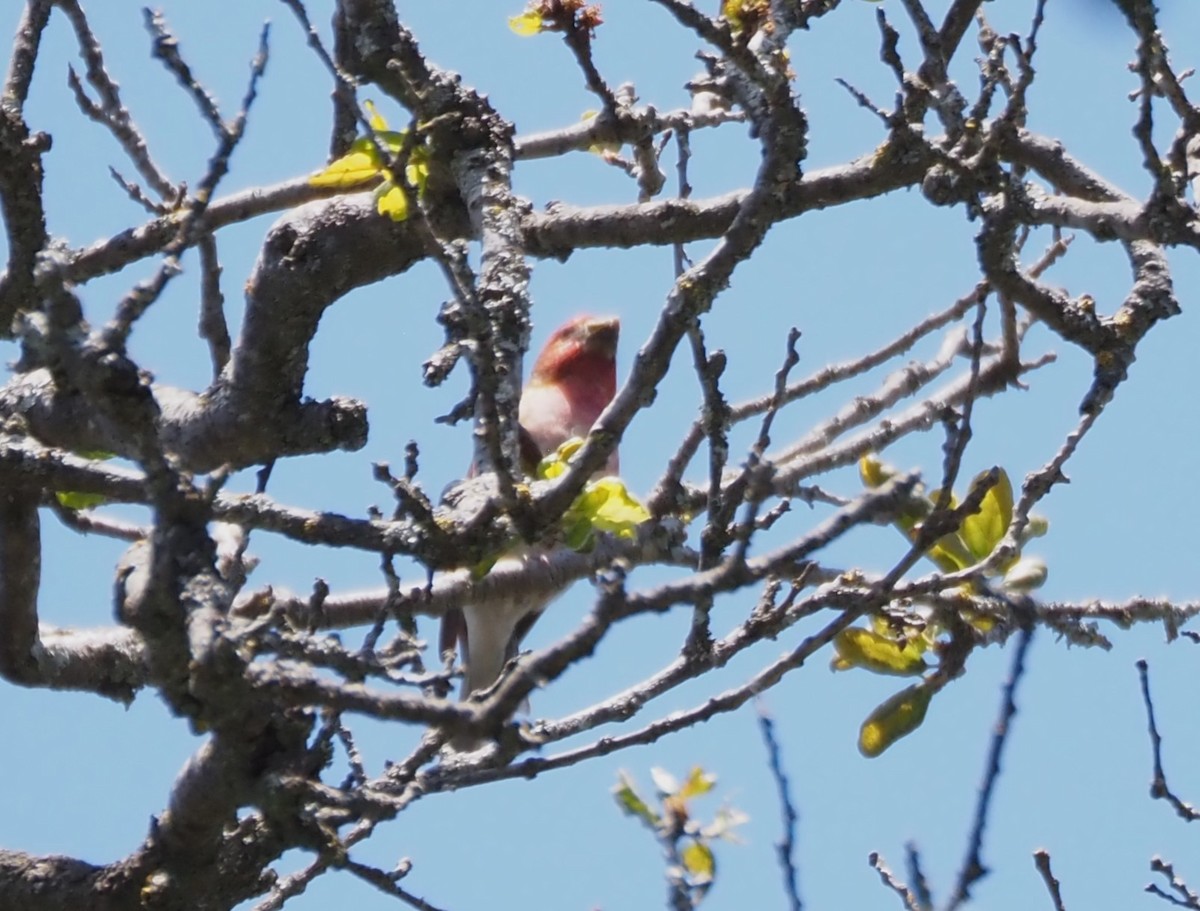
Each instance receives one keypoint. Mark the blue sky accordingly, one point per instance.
(1077, 769)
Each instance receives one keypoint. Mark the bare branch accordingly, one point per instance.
(1041, 860)
(786, 846)
(973, 868)
(1159, 789)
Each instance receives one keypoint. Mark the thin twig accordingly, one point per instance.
(1041, 860)
(973, 868)
(1159, 790)
(786, 847)
(888, 878)
(1184, 897)
(111, 112)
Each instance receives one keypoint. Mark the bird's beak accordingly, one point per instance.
(601, 335)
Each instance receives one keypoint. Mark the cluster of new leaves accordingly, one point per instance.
(686, 841)
(605, 506)
(979, 533)
(897, 640)
(378, 157)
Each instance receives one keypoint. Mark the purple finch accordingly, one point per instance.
(573, 380)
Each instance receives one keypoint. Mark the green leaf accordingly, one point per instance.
(392, 140)
(873, 472)
(698, 782)
(358, 166)
(605, 505)
(949, 553)
(74, 499)
(631, 802)
(610, 507)
(378, 124)
(556, 462)
(898, 717)
(579, 537)
(364, 163)
(878, 653)
(697, 858)
(982, 531)
(390, 200)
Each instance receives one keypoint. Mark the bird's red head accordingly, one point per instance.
(582, 353)
(573, 380)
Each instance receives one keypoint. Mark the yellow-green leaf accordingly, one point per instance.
(361, 164)
(605, 505)
(417, 171)
(556, 462)
(881, 624)
(897, 717)
(610, 507)
(390, 200)
(631, 802)
(551, 467)
(982, 531)
(873, 472)
(394, 141)
(579, 536)
(378, 124)
(949, 554)
(364, 162)
(697, 858)
(868, 649)
(526, 24)
(74, 499)
(698, 782)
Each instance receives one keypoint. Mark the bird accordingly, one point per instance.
(572, 381)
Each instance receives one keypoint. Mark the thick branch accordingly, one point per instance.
(62, 884)
(204, 431)
(20, 576)
(21, 170)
